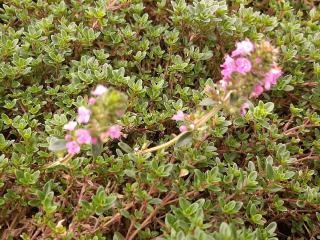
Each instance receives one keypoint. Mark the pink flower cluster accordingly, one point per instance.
(179, 116)
(76, 137)
(270, 78)
(237, 62)
(241, 61)
(113, 132)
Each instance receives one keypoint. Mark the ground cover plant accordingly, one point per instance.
(155, 119)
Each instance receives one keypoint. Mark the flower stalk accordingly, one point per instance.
(173, 141)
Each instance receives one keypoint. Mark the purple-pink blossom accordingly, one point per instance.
(243, 65)
(257, 91)
(99, 90)
(67, 137)
(83, 115)
(228, 67)
(271, 77)
(244, 108)
(224, 84)
(183, 128)
(94, 140)
(73, 147)
(92, 101)
(179, 116)
(119, 113)
(83, 136)
(243, 48)
(114, 132)
(258, 60)
(70, 125)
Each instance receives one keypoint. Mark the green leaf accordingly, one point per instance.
(269, 170)
(207, 102)
(57, 145)
(225, 230)
(271, 228)
(118, 236)
(125, 147)
(185, 139)
(258, 219)
(269, 106)
(97, 148)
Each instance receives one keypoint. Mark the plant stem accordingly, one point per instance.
(206, 117)
(164, 145)
(63, 160)
(199, 123)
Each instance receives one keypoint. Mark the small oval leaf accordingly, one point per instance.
(57, 145)
(185, 139)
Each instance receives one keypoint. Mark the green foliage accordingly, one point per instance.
(99, 204)
(252, 177)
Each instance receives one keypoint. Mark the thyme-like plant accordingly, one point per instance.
(140, 119)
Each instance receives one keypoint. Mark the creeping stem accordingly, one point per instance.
(63, 160)
(164, 145)
(198, 124)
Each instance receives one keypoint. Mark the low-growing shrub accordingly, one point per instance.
(158, 119)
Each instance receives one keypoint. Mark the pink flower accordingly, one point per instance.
(114, 132)
(244, 108)
(183, 128)
(258, 60)
(179, 116)
(271, 77)
(83, 115)
(243, 48)
(94, 140)
(70, 125)
(92, 101)
(257, 91)
(100, 89)
(224, 84)
(83, 136)
(119, 113)
(103, 136)
(243, 65)
(228, 67)
(73, 147)
(67, 137)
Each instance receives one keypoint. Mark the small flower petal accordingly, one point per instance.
(99, 90)
(257, 91)
(73, 147)
(70, 125)
(272, 77)
(94, 140)
(83, 136)
(228, 67)
(243, 48)
(68, 137)
(244, 108)
(224, 84)
(113, 132)
(92, 101)
(83, 115)
(243, 65)
(183, 128)
(179, 116)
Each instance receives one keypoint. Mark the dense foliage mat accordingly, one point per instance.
(250, 177)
